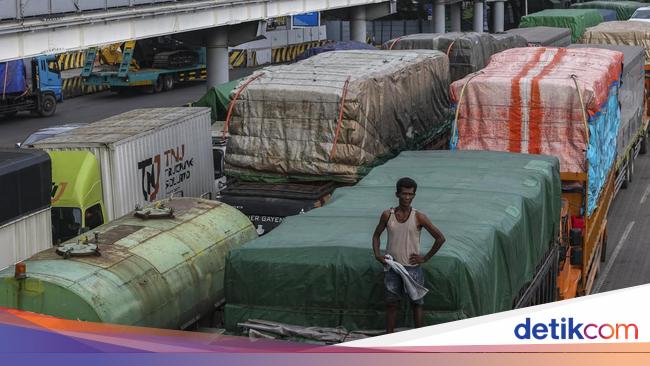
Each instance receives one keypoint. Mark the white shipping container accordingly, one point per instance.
(146, 155)
(24, 237)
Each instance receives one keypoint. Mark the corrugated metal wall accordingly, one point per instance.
(25, 237)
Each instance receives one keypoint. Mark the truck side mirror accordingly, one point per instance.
(18, 144)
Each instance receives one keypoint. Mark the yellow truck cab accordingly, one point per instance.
(77, 203)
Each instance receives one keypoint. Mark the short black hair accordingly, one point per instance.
(406, 182)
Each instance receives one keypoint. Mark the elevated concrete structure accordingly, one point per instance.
(35, 36)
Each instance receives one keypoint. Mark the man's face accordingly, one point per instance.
(406, 196)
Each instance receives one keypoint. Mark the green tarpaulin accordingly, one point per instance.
(217, 99)
(498, 211)
(578, 20)
(624, 9)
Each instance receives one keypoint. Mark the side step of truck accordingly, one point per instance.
(89, 62)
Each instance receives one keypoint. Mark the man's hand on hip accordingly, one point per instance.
(417, 259)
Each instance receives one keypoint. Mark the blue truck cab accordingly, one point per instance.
(35, 89)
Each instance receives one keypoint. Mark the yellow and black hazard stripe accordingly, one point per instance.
(289, 53)
(74, 87)
(70, 60)
(201, 74)
(237, 58)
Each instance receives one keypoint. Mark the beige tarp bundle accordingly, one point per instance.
(284, 122)
(631, 33)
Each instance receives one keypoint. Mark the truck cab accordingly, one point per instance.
(46, 84)
(77, 202)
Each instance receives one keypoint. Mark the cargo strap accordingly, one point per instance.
(234, 100)
(582, 107)
(450, 46)
(340, 119)
(454, 127)
(394, 42)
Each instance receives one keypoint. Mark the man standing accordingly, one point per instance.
(404, 224)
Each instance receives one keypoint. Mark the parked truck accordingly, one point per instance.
(160, 266)
(25, 220)
(566, 107)
(102, 170)
(33, 86)
(155, 72)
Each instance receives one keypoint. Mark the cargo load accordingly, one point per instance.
(631, 95)
(623, 9)
(560, 102)
(630, 33)
(544, 36)
(335, 115)
(161, 266)
(12, 74)
(467, 52)
(607, 14)
(217, 99)
(499, 213)
(506, 107)
(334, 46)
(25, 218)
(136, 157)
(578, 20)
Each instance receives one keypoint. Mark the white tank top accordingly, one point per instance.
(403, 237)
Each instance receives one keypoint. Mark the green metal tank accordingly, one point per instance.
(160, 268)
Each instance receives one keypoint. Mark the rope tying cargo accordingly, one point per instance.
(340, 119)
(454, 127)
(582, 106)
(450, 46)
(394, 42)
(234, 100)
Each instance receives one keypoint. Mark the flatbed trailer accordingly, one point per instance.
(126, 77)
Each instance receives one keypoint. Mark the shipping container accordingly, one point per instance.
(145, 155)
(25, 219)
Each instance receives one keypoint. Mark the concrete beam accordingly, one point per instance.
(33, 37)
(372, 11)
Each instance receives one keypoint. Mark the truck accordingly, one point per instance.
(102, 170)
(567, 107)
(158, 74)
(159, 266)
(501, 250)
(33, 86)
(25, 218)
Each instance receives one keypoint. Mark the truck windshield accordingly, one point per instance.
(66, 222)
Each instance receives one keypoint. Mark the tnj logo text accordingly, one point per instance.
(569, 328)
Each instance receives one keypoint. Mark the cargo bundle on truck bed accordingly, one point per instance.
(25, 218)
(578, 20)
(467, 52)
(544, 36)
(632, 133)
(498, 211)
(561, 102)
(335, 115)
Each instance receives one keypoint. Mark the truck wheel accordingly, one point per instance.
(630, 168)
(157, 86)
(644, 148)
(168, 82)
(603, 251)
(48, 105)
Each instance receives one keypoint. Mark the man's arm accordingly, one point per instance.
(424, 221)
(383, 220)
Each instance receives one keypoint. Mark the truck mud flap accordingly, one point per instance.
(543, 288)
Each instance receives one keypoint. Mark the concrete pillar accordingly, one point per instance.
(497, 14)
(478, 16)
(358, 24)
(455, 16)
(439, 17)
(217, 56)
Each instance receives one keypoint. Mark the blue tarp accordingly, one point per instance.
(12, 77)
(601, 153)
(335, 46)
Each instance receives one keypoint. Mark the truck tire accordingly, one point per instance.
(603, 250)
(48, 105)
(630, 168)
(644, 148)
(168, 82)
(157, 86)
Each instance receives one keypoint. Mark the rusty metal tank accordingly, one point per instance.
(161, 267)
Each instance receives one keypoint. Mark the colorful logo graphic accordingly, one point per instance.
(569, 328)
